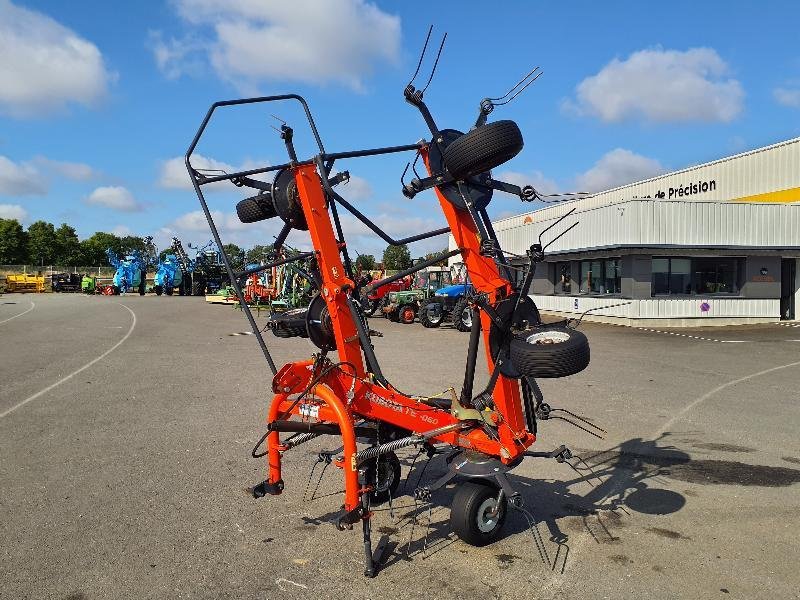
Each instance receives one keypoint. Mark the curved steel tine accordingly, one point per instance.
(516, 85)
(421, 56)
(435, 64)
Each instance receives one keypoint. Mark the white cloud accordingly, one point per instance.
(617, 168)
(114, 197)
(175, 176)
(71, 170)
(196, 221)
(787, 97)
(662, 86)
(122, 230)
(356, 188)
(13, 211)
(537, 179)
(44, 65)
(20, 179)
(252, 41)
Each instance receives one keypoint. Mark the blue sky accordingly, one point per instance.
(98, 98)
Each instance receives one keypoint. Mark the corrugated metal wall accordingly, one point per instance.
(625, 216)
(662, 308)
(657, 223)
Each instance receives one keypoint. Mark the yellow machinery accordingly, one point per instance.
(25, 283)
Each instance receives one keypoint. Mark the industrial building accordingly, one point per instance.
(713, 244)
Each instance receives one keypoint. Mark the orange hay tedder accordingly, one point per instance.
(483, 434)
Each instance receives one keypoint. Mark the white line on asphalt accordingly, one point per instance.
(71, 375)
(20, 314)
(715, 391)
(557, 579)
(694, 337)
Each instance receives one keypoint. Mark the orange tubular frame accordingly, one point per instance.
(328, 399)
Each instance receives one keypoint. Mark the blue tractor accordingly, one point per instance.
(130, 273)
(449, 303)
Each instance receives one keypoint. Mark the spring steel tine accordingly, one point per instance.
(549, 227)
(427, 530)
(537, 536)
(520, 90)
(597, 435)
(519, 83)
(580, 418)
(574, 468)
(563, 233)
(435, 64)
(421, 56)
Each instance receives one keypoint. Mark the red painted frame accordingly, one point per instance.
(329, 397)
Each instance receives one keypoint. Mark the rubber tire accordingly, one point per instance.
(424, 318)
(550, 360)
(142, 286)
(458, 315)
(115, 289)
(256, 208)
(482, 149)
(169, 290)
(407, 314)
(469, 497)
(393, 463)
(159, 289)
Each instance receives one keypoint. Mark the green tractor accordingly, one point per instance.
(403, 306)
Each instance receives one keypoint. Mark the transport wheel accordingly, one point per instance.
(169, 290)
(428, 320)
(462, 315)
(407, 315)
(550, 352)
(256, 208)
(384, 473)
(142, 287)
(482, 149)
(158, 290)
(115, 289)
(475, 516)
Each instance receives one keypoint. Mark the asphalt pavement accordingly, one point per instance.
(126, 425)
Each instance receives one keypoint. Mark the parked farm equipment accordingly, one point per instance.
(405, 305)
(24, 283)
(130, 273)
(483, 434)
(169, 275)
(378, 298)
(66, 282)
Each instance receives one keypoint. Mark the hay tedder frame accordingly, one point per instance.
(485, 433)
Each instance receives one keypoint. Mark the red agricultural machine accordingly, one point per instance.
(483, 433)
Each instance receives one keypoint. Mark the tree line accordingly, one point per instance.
(43, 243)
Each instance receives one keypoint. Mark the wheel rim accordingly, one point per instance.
(548, 337)
(434, 318)
(466, 317)
(408, 315)
(488, 516)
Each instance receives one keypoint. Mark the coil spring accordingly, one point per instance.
(301, 438)
(376, 451)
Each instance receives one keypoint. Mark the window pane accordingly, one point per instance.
(596, 278)
(660, 276)
(611, 279)
(585, 276)
(716, 275)
(680, 277)
(564, 277)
